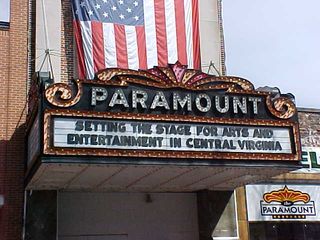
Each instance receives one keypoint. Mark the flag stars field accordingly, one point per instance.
(135, 34)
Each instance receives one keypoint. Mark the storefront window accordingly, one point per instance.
(227, 227)
(284, 231)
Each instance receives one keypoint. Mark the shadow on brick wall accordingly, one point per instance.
(12, 162)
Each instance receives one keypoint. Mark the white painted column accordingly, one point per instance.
(48, 36)
(210, 39)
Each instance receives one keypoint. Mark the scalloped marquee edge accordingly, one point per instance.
(174, 76)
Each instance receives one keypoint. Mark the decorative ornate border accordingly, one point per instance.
(286, 195)
(49, 149)
(174, 76)
(61, 94)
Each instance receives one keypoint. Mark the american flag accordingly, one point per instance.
(135, 34)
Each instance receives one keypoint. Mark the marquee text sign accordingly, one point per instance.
(171, 112)
(147, 135)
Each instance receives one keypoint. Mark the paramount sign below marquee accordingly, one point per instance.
(283, 203)
(171, 112)
(287, 204)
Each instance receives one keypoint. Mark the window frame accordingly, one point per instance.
(4, 25)
(237, 224)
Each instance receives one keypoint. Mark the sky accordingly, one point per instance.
(4, 10)
(275, 43)
(270, 43)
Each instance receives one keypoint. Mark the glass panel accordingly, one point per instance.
(5, 11)
(227, 224)
(312, 231)
(284, 231)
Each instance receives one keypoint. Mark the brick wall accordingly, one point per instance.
(310, 128)
(13, 78)
(4, 48)
(67, 48)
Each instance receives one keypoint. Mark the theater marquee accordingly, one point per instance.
(171, 112)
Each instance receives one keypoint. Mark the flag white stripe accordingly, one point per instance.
(132, 47)
(86, 31)
(171, 31)
(150, 32)
(109, 45)
(189, 36)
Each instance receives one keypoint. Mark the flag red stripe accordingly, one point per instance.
(97, 46)
(181, 32)
(97, 52)
(80, 53)
(121, 46)
(196, 40)
(142, 49)
(161, 34)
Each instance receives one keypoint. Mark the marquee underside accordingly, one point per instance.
(149, 178)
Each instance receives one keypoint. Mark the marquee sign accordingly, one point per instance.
(310, 160)
(170, 112)
(147, 135)
(282, 203)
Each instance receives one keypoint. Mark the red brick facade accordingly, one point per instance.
(309, 121)
(67, 48)
(13, 78)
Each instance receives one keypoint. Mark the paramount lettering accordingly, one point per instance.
(305, 209)
(201, 102)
